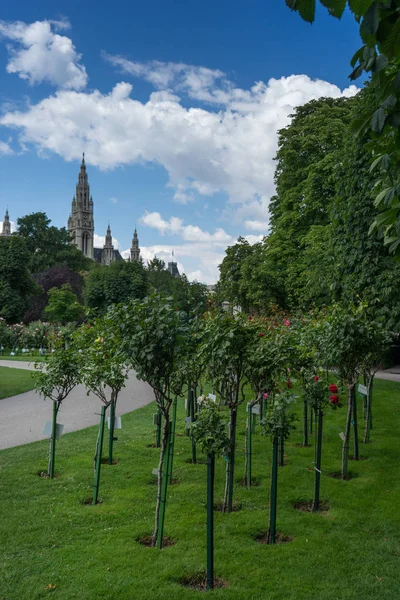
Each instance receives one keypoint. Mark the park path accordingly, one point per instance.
(22, 417)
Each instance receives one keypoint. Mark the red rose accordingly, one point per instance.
(289, 384)
(260, 335)
(333, 388)
(334, 399)
(316, 378)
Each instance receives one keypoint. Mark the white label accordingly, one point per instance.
(212, 397)
(188, 420)
(255, 410)
(362, 389)
(47, 428)
(59, 430)
(117, 422)
(154, 472)
(186, 403)
(342, 436)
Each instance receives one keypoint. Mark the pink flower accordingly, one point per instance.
(265, 395)
(286, 322)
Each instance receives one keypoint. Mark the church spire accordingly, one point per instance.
(135, 250)
(107, 256)
(81, 223)
(6, 225)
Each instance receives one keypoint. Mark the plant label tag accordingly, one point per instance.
(186, 404)
(212, 397)
(155, 419)
(154, 472)
(248, 407)
(362, 389)
(342, 436)
(255, 410)
(117, 423)
(47, 428)
(188, 420)
(59, 430)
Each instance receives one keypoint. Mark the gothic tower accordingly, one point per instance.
(107, 256)
(135, 250)
(80, 222)
(6, 225)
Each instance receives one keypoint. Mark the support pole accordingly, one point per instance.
(249, 443)
(158, 428)
(210, 520)
(111, 432)
(192, 414)
(99, 450)
(273, 496)
(53, 440)
(282, 451)
(318, 462)
(172, 440)
(164, 488)
(305, 423)
(232, 460)
(355, 424)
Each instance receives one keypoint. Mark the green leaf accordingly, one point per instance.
(306, 8)
(358, 56)
(378, 120)
(371, 19)
(381, 62)
(388, 36)
(335, 7)
(359, 7)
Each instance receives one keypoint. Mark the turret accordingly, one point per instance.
(6, 225)
(135, 250)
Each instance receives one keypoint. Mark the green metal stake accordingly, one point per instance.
(274, 484)
(172, 440)
(232, 461)
(192, 414)
(317, 465)
(158, 430)
(282, 451)
(53, 440)
(305, 423)
(98, 455)
(210, 520)
(355, 424)
(188, 414)
(249, 444)
(311, 420)
(164, 488)
(111, 432)
(370, 405)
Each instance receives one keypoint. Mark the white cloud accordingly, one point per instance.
(114, 200)
(37, 54)
(204, 152)
(5, 149)
(13, 226)
(256, 225)
(190, 233)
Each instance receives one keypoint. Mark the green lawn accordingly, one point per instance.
(48, 536)
(22, 358)
(13, 382)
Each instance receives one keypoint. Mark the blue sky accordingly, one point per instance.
(176, 106)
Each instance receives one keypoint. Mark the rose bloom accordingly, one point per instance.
(334, 399)
(333, 388)
(316, 378)
(289, 384)
(260, 335)
(265, 395)
(286, 322)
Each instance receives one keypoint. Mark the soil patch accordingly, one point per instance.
(307, 506)
(236, 506)
(338, 475)
(104, 461)
(359, 458)
(146, 540)
(198, 462)
(280, 538)
(152, 446)
(89, 501)
(254, 482)
(198, 581)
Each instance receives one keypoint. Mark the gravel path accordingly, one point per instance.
(22, 417)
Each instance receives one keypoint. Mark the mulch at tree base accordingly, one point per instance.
(307, 506)
(338, 475)
(154, 481)
(255, 482)
(198, 581)
(280, 538)
(45, 475)
(147, 540)
(198, 462)
(104, 461)
(89, 501)
(359, 458)
(219, 504)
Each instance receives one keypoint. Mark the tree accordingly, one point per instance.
(154, 334)
(119, 282)
(54, 379)
(379, 55)
(16, 283)
(63, 306)
(209, 431)
(49, 246)
(230, 272)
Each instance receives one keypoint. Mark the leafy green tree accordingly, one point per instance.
(54, 379)
(119, 282)
(379, 55)
(230, 273)
(63, 305)
(49, 246)
(16, 283)
(154, 339)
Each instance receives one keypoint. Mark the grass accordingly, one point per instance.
(23, 358)
(13, 382)
(50, 538)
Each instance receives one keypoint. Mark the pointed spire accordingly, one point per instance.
(6, 225)
(135, 250)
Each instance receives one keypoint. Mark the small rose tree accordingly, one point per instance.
(225, 352)
(154, 340)
(103, 371)
(54, 379)
(209, 432)
(277, 425)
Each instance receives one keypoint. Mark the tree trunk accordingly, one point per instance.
(112, 426)
(161, 484)
(274, 492)
(346, 441)
(282, 451)
(230, 466)
(317, 465)
(52, 454)
(248, 447)
(210, 520)
(98, 453)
